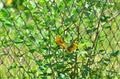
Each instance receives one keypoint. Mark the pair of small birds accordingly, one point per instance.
(62, 44)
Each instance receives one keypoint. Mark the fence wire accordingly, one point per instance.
(28, 33)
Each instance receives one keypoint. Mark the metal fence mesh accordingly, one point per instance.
(28, 31)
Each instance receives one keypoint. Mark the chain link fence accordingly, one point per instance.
(28, 33)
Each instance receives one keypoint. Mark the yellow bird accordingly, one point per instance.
(72, 47)
(60, 42)
(8, 2)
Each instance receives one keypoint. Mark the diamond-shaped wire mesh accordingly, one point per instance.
(28, 33)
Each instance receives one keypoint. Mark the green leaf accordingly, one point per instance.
(20, 55)
(32, 50)
(67, 21)
(106, 61)
(31, 37)
(29, 27)
(104, 18)
(21, 37)
(20, 66)
(31, 71)
(107, 27)
(114, 54)
(88, 48)
(39, 62)
(4, 13)
(20, 2)
(9, 24)
(48, 56)
(18, 41)
(42, 68)
(28, 43)
(13, 66)
(60, 65)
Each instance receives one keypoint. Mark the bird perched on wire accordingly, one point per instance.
(60, 41)
(72, 47)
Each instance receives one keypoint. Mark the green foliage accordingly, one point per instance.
(114, 54)
(29, 29)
